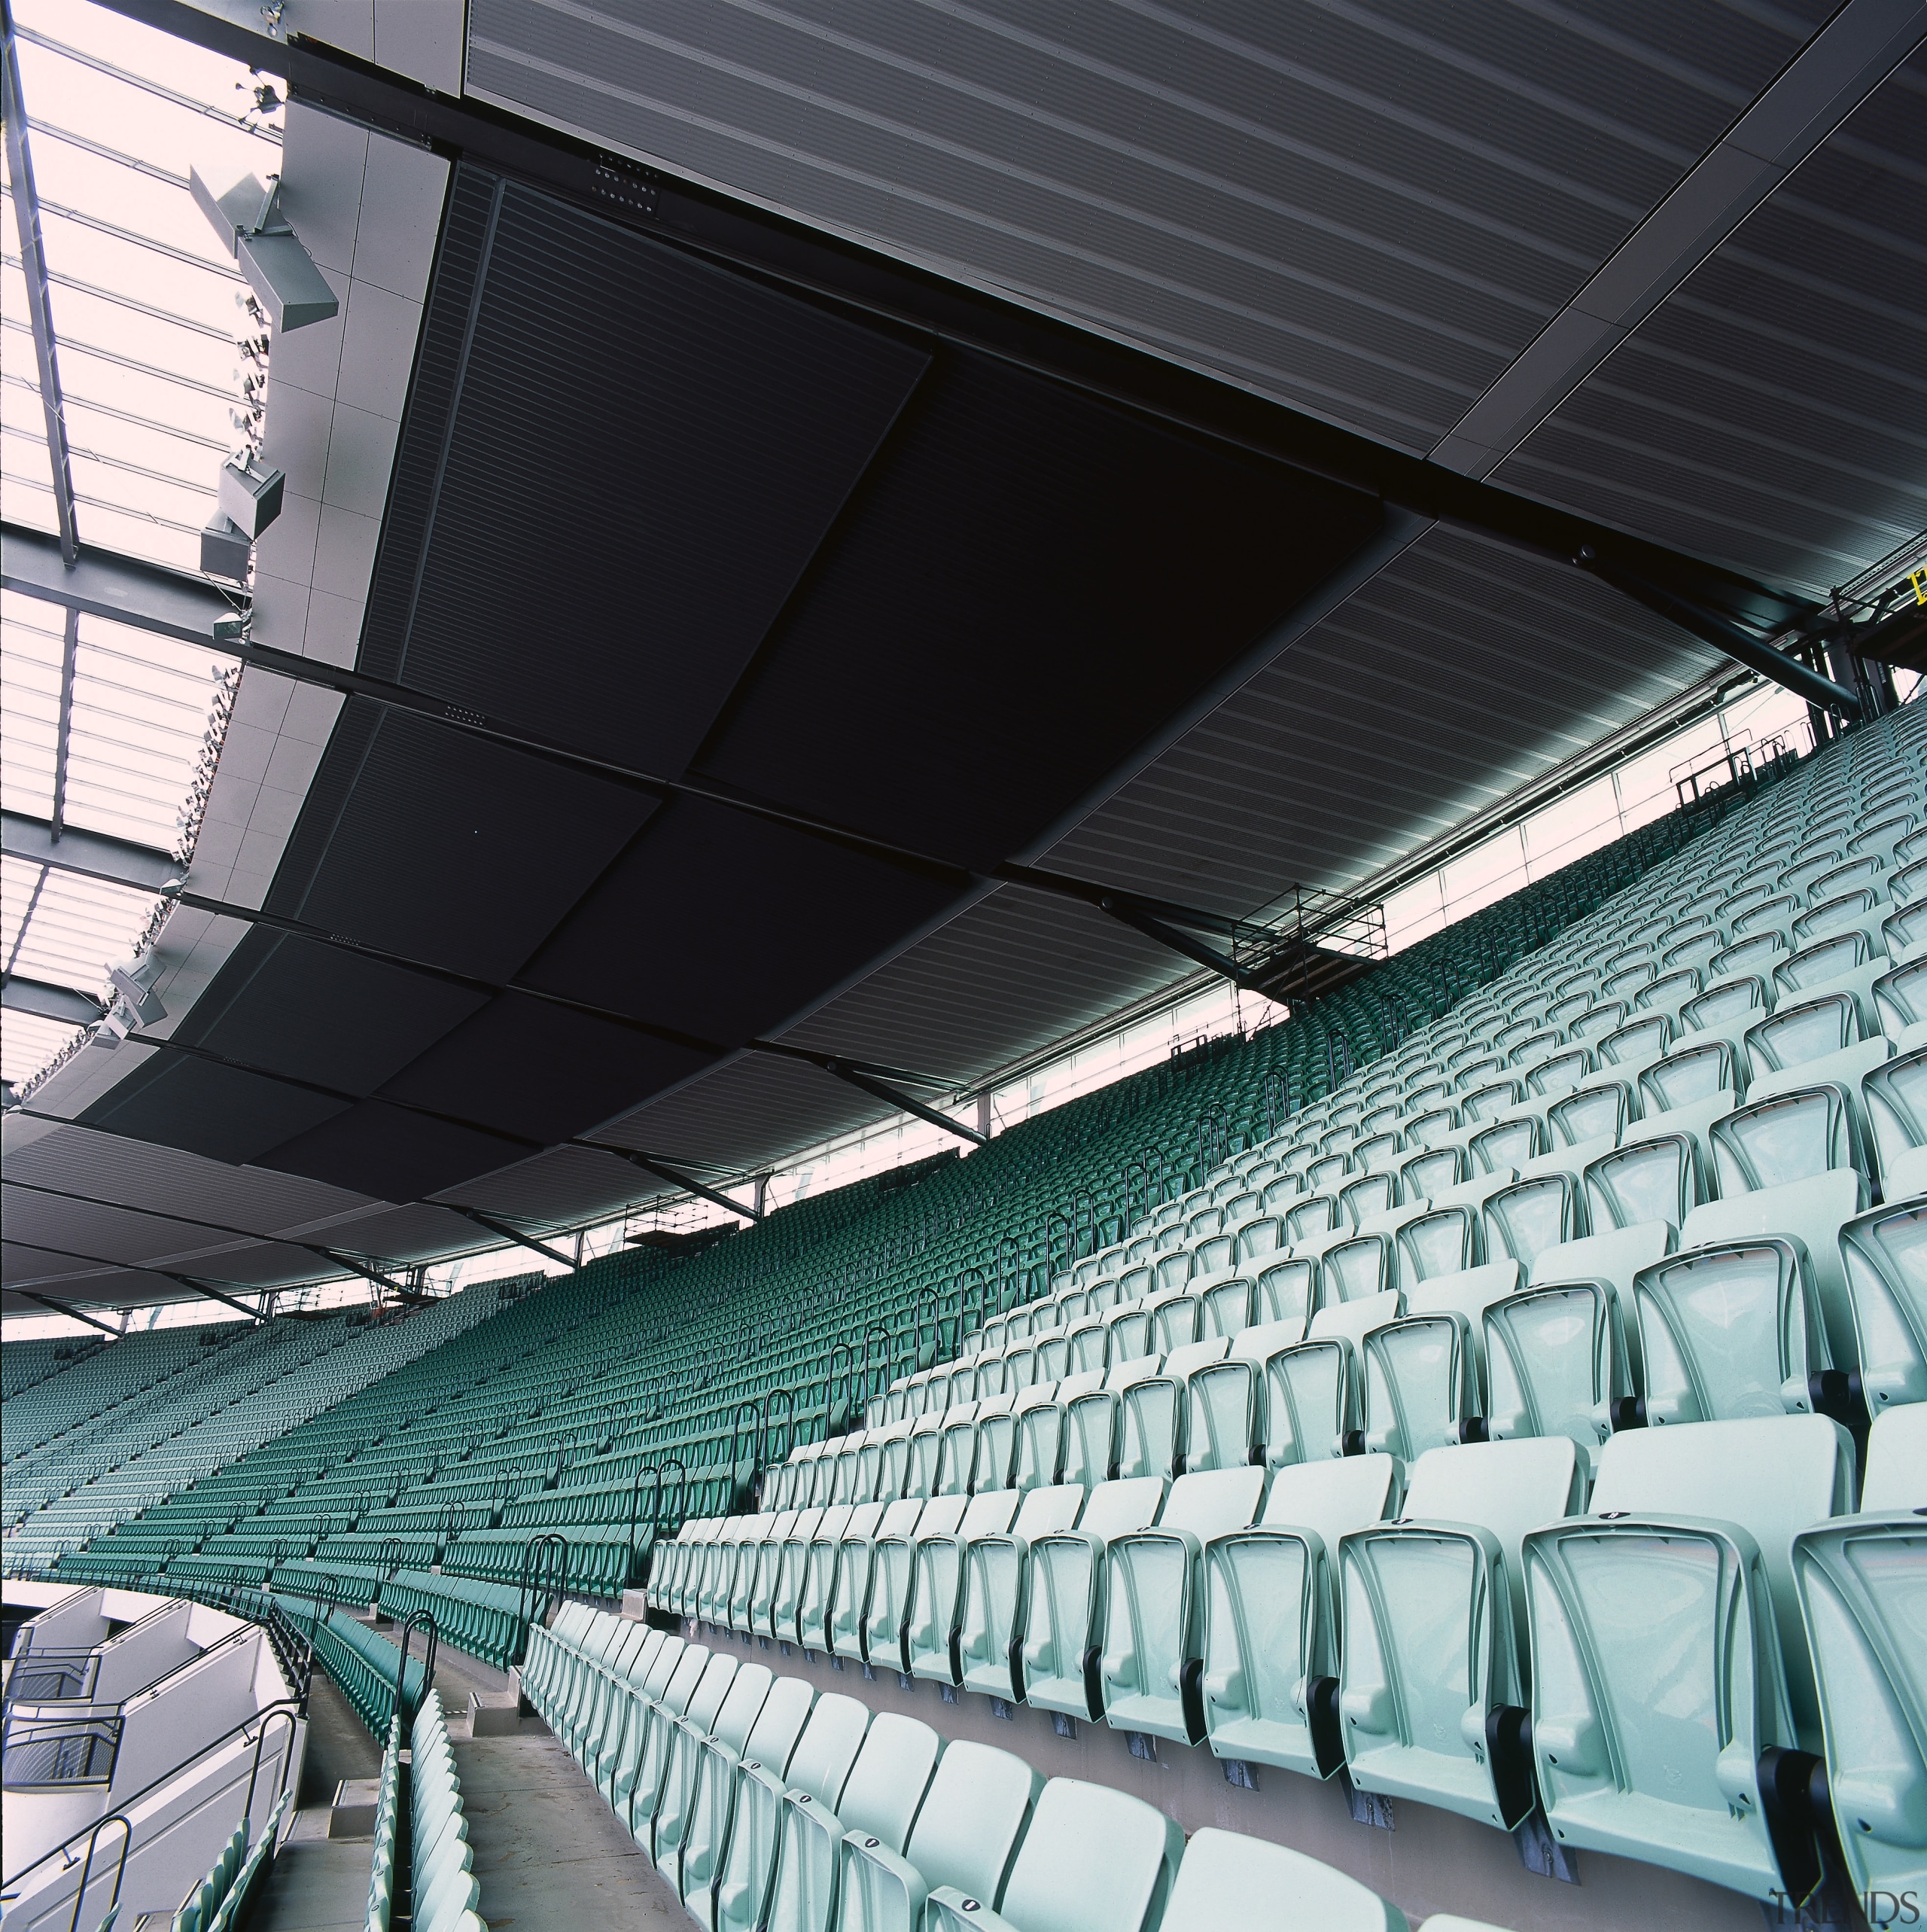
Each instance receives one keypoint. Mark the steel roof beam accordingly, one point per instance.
(508, 1233)
(1723, 634)
(33, 263)
(63, 733)
(674, 1177)
(113, 1334)
(62, 1003)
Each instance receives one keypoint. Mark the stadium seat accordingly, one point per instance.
(880, 1799)
(1685, 1556)
(1432, 1680)
(1064, 1602)
(973, 1820)
(1229, 1880)
(1153, 1624)
(1859, 1578)
(818, 1770)
(1270, 1635)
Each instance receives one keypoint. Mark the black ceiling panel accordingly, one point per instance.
(532, 1067)
(291, 1006)
(721, 924)
(209, 1109)
(641, 455)
(391, 1153)
(1032, 582)
(444, 848)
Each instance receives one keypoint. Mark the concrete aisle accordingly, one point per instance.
(549, 1854)
(321, 1884)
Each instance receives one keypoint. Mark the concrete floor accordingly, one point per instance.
(549, 1855)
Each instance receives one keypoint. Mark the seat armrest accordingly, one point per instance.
(950, 1910)
(892, 1890)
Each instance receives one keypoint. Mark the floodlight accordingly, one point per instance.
(249, 495)
(246, 216)
(226, 550)
(143, 1002)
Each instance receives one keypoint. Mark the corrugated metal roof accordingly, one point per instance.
(1463, 670)
(1772, 414)
(1366, 211)
(1013, 973)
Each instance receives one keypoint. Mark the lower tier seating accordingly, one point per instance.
(764, 1804)
(1653, 1653)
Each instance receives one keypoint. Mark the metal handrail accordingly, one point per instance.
(11, 1883)
(425, 1620)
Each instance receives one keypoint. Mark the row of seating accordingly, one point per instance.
(445, 1891)
(763, 1804)
(1611, 1331)
(487, 1620)
(365, 1665)
(223, 1901)
(388, 1812)
(1485, 1636)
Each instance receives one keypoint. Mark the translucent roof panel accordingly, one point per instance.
(144, 300)
(143, 708)
(28, 1043)
(65, 930)
(26, 470)
(32, 643)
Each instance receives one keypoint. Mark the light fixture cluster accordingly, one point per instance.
(220, 711)
(285, 290)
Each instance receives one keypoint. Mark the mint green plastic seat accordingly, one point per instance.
(1153, 1411)
(849, 1581)
(1224, 1398)
(1613, 1258)
(699, 1701)
(1270, 1642)
(819, 1575)
(1525, 1218)
(740, 1896)
(1654, 1174)
(1432, 1681)
(1668, 1652)
(966, 1836)
(1555, 1364)
(1893, 1104)
(1862, 1581)
(893, 1582)
(1811, 1212)
(991, 1623)
(671, 1676)
(1228, 1880)
(1730, 1330)
(880, 1798)
(770, 1742)
(1065, 1603)
(1093, 1859)
(1424, 1374)
(934, 1615)
(728, 1723)
(1153, 1626)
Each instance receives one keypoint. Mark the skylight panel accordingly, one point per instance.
(65, 929)
(143, 714)
(28, 1042)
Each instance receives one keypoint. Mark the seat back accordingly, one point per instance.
(1228, 1879)
(973, 1820)
(1094, 1860)
(1729, 1331)
(828, 1748)
(1885, 1254)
